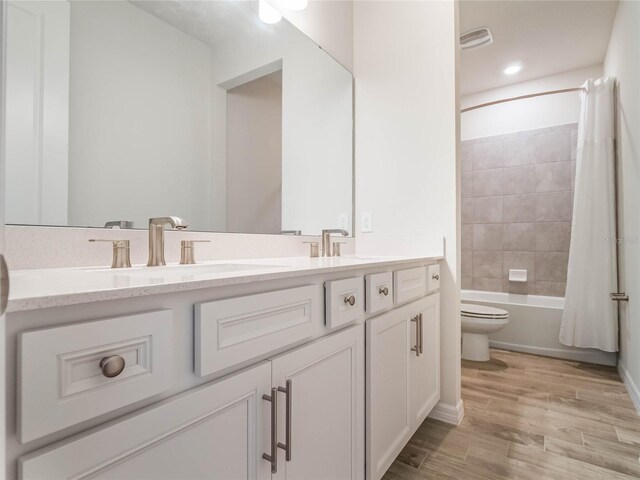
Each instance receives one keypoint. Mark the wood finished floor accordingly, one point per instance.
(530, 417)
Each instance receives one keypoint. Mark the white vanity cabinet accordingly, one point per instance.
(223, 429)
(286, 381)
(403, 365)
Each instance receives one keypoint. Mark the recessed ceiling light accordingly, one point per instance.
(512, 69)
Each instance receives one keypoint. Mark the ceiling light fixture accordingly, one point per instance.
(512, 69)
(267, 13)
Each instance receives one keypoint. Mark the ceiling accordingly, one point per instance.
(546, 36)
(211, 22)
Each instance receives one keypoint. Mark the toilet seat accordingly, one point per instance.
(472, 310)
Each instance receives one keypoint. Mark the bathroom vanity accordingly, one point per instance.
(263, 368)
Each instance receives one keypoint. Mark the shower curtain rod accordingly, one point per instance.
(522, 97)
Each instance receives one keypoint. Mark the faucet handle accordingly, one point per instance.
(187, 248)
(121, 252)
(336, 249)
(314, 249)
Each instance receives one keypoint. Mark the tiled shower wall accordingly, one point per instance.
(517, 195)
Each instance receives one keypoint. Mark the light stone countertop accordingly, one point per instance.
(56, 287)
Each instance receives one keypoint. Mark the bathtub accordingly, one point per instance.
(534, 326)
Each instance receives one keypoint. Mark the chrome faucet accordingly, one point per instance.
(156, 237)
(326, 239)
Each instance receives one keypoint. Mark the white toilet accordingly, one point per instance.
(478, 322)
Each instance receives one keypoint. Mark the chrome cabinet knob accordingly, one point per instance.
(383, 291)
(350, 300)
(112, 366)
(435, 276)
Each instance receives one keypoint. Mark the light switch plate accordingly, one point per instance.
(366, 222)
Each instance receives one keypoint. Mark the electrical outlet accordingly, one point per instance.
(366, 222)
(343, 222)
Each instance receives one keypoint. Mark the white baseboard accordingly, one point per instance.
(588, 356)
(448, 413)
(632, 388)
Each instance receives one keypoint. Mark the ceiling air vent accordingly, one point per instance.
(480, 37)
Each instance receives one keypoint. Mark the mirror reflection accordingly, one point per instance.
(126, 110)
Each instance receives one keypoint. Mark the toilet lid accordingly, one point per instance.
(482, 311)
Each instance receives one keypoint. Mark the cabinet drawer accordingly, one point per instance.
(379, 292)
(236, 330)
(60, 380)
(409, 284)
(433, 278)
(344, 301)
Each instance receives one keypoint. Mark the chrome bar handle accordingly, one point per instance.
(273, 456)
(287, 445)
(421, 330)
(416, 348)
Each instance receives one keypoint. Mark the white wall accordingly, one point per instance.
(316, 123)
(528, 114)
(141, 132)
(329, 23)
(623, 62)
(405, 56)
(254, 168)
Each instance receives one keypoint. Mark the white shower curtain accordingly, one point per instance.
(589, 318)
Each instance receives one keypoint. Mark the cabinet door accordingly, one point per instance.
(218, 431)
(388, 381)
(326, 414)
(425, 369)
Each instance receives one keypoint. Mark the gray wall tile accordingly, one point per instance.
(521, 288)
(553, 147)
(520, 151)
(487, 237)
(551, 266)
(518, 236)
(467, 263)
(487, 210)
(467, 237)
(516, 209)
(467, 184)
(487, 284)
(467, 210)
(553, 177)
(574, 144)
(488, 155)
(519, 208)
(517, 180)
(553, 237)
(466, 158)
(553, 207)
(487, 183)
(487, 264)
(552, 289)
